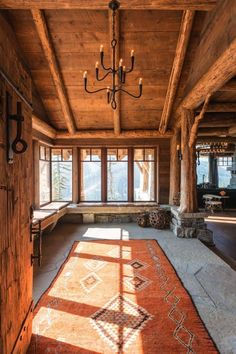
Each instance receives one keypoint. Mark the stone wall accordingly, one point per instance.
(190, 225)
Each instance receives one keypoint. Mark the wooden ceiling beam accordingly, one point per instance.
(109, 134)
(220, 107)
(218, 120)
(43, 127)
(182, 44)
(230, 86)
(213, 132)
(215, 61)
(201, 5)
(44, 36)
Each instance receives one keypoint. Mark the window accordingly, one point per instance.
(90, 175)
(224, 174)
(203, 170)
(117, 175)
(112, 175)
(144, 174)
(225, 161)
(44, 175)
(61, 165)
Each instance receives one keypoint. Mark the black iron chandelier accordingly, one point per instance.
(116, 71)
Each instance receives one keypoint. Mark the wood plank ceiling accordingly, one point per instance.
(76, 37)
(163, 56)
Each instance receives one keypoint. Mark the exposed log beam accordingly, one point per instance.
(202, 5)
(116, 112)
(42, 127)
(220, 107)
(215, 61)
(109, 134)
(232, 130)
(230, 86)
(197, 120)
(183, 40)
(218, 120)
(49, 52)
(213, 132)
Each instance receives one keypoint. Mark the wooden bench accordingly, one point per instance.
(49, 214)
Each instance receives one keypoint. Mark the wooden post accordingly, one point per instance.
(188, 200)
(174, 166)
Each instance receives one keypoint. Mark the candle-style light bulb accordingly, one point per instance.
(140, 81)
(124, 69)
(85, 75)
(132, 53)
(178, 147)
(97, 65)
(108, 89)
(101, 48)
(121, 62)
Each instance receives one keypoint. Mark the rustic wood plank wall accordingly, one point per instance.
(15, 200)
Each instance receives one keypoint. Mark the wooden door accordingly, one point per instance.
(15, 244)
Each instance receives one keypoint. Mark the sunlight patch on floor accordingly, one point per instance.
(113, 233)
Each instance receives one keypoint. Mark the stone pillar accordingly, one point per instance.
(188, 200)
(174, 167)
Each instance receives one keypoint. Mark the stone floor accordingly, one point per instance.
(209, 280)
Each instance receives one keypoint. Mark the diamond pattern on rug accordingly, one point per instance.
(137, 282)
(120, 321)
(95, 264)
(90, 281)
(136, 264)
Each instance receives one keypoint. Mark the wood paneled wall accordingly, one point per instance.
(15, 201)
(164, 171)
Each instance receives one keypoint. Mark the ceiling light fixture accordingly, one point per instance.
(116, 71)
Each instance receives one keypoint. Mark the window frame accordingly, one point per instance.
(50, 172)
(130, 172)
(155, 171)
(72, 172)
(80, 172)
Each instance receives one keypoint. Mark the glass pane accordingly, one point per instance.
(144, 181)
(111, 154)
(85, 154)
(48, 154)
(42, 153)
(123, 154)
(224, 177)
(56, 154)
(149, 155)
(96, 155)
(117, 181)
(91, 181)
(138, 155)
(61, 181)
(67, 154)
(203, 171)
(44, 182)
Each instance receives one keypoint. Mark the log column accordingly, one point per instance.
(188, 201)
(174, 166)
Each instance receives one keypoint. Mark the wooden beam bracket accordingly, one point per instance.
(198, 119)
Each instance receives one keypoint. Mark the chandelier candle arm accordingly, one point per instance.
(115, 70)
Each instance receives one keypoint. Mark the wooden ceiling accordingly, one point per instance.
(60, 40)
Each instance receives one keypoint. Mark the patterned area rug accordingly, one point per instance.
(118, 297)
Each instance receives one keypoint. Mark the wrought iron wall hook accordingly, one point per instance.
(14, 145)
(19, 146)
